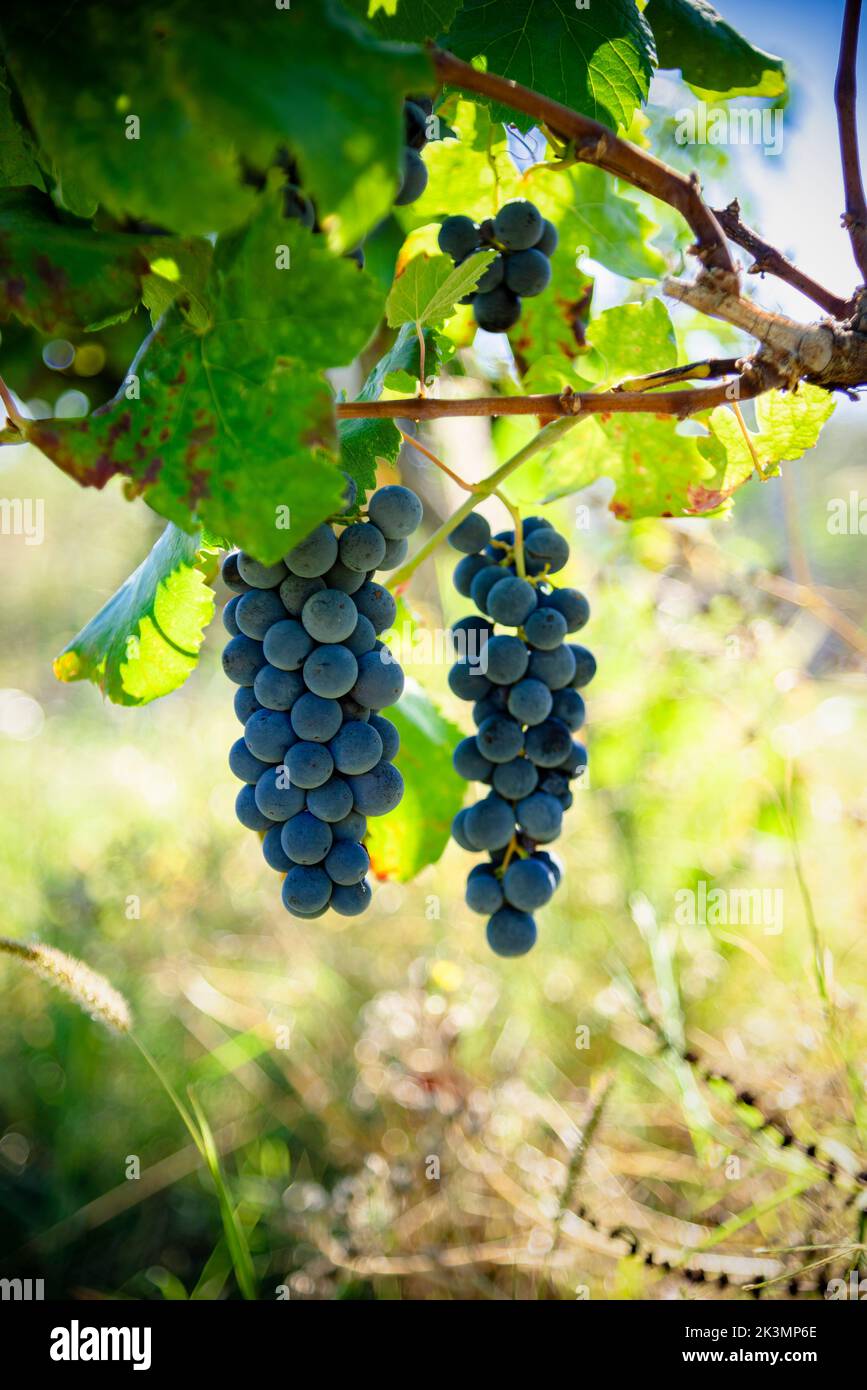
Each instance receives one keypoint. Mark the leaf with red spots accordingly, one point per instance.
(656, 468)
(59, 273)
(661, 467)
(233, 427)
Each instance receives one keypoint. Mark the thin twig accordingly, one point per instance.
(748, 439)
(769, 261)
(845, 100)
(691, 371)
(429, 454)
(14, 415)
(817, 604)
(514, 513)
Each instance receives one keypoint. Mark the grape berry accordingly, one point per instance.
(317, 756)
(527, 705)
(416, 111)
(525, 241)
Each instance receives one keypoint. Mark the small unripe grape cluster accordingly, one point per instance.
(317, 755)
(525, 687)
(524, 240)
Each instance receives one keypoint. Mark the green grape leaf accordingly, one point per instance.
(145, 640)
(179, 274)
(657, 471)
(58, 273)
(364, 442)
(158, 115)
(18, 157)
(595, 218)
(653, 466)
(428, 290)
(598, 60)
(231, 427)
(711, 55)
(629, 340)
(410, 21)
(788, 422)
(415, 834)
(658, 468)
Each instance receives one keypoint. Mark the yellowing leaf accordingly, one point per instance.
(145, 640)
(790, 422)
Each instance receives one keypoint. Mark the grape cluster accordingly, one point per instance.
(317, 755)
(525, 687)
(525, 241)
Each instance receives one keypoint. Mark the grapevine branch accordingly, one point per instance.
(855, 216)
(832, 354)
(767, 260)
(594, 143)
(751, 381)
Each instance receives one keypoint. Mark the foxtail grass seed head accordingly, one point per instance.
(90, 991)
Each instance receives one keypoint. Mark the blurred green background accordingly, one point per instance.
(401, 1114)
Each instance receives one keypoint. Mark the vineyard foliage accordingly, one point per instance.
(142, 213)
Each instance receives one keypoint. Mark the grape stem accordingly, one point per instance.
(429, 454)
(548, 435)
(476, 488)
(515, 514)
(511, 850)
(8, 400)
